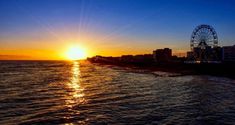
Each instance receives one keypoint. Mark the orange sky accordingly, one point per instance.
(55, 47)
(46, 30)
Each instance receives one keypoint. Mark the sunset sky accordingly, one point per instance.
(46, 29)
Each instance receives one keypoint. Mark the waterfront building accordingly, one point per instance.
(205, 55)
(146, 58)
(229, 53)
(190, 55)
(162, 55)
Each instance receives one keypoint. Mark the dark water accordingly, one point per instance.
(83, 93)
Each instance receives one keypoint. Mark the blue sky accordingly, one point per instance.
(135, 24)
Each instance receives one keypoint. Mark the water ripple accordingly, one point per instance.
(58, 92)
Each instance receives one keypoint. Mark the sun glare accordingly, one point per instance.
(76, 53)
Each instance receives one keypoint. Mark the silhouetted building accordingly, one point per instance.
(137, 58)
(229, 53)
(162, 55)
(143, 58)
(207, 54)
(190, 55)
(126, 58)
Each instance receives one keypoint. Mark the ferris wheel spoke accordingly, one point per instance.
(203, 33)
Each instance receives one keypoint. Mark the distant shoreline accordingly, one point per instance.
(179, 69)
(219, 70)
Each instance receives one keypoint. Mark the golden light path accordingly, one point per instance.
(76, 91)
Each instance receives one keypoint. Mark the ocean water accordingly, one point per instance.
(59, 92)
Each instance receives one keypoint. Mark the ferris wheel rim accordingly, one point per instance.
(205, 33)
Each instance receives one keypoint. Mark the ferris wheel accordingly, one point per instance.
(203, 36)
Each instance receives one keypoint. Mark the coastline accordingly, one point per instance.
(178, 69)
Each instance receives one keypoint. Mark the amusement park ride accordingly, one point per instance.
(203, 36)
(204, 45)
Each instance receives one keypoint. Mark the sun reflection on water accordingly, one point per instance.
(76, 90)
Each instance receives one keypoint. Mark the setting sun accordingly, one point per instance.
(76, 53)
